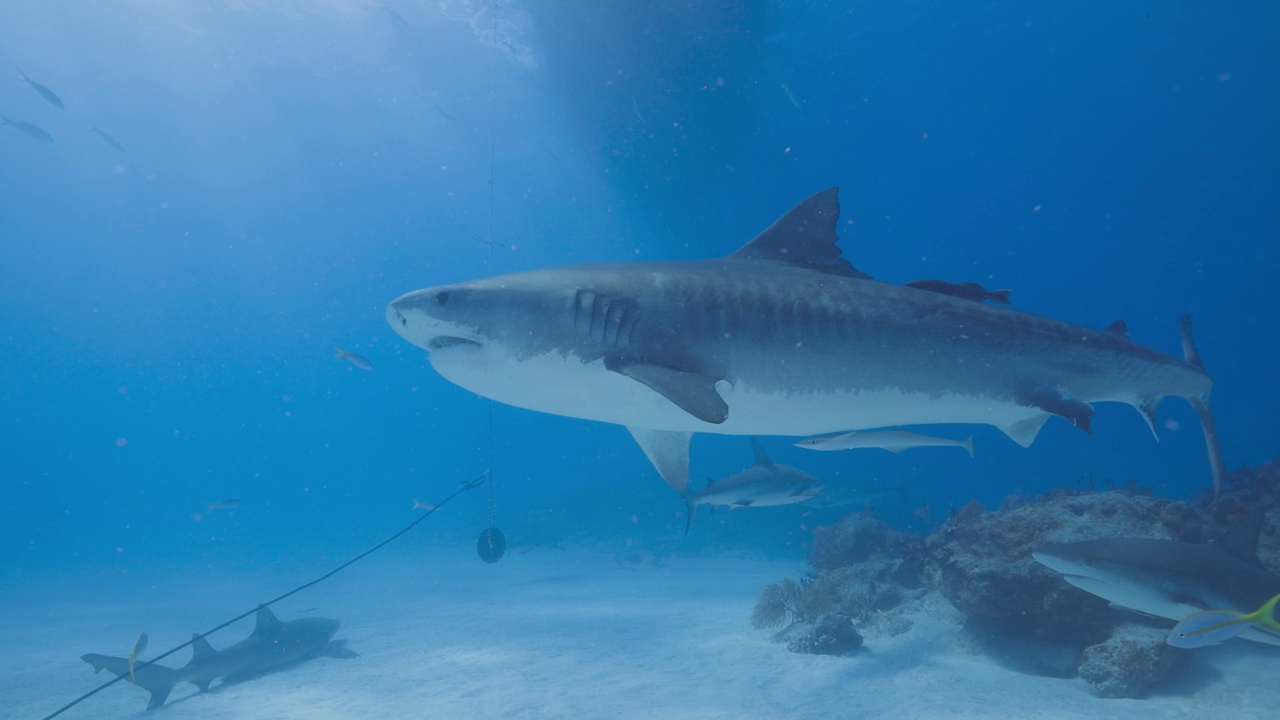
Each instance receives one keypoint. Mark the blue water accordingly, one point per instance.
(168, 312)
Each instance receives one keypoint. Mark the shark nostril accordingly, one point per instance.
(442, 298)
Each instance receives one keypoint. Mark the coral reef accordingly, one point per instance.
(831, 635)
(1129, 663)
(1015, 610)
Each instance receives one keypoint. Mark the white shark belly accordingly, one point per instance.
(564, 385)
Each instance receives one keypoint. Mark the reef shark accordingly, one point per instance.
(272, 645)
(782, 337)
(1171, 579)
(761, 485)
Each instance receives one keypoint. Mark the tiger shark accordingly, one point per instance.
(272, 645)
(782, 337)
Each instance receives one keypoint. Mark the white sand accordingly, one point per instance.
(548, 635)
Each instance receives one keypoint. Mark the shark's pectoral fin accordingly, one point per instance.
(668, 450)
(337, 649)
(1024, 431)
(695, 394)
(1077, 413)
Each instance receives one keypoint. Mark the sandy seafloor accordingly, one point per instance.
(552, 634)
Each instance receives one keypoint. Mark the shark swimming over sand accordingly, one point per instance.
(782, 337)
(1171, 579)
(272, 645)
(761, 485)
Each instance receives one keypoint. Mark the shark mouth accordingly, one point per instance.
(447, 341)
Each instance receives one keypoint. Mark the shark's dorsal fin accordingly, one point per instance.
(762, 458)
(201, 650)
(267, 623)
(805, 238)
(1119, 328)
(1241, 538)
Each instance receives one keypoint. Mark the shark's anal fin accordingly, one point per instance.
(668, 450)
(1051, 401)
(693, 393)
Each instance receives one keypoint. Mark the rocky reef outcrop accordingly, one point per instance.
(1016, 610)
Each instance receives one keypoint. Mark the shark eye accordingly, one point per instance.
(442, 298)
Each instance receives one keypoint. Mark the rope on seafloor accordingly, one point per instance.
(462, 488)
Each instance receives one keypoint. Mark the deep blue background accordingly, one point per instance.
(168, 312)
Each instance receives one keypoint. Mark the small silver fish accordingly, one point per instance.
(228, 504)
(105, 137)
(41, 90)
(419, 505)
(27, 129)
(895, 441)
(359, 361)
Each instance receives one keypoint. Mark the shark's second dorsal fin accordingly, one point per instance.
(1120, 328)
(762, 458)
(268, 623)
(1241, 538)
(805, 238)
(201, 650)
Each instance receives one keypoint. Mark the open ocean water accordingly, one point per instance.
(200, 200)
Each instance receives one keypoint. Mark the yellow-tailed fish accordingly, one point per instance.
(138, 648)
(1210, 627)
(359, 361)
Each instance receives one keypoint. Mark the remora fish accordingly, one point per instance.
(783, 337)
(895, 441)
(761, 485)
(272, 645)
(1172, 579)
(967, 290)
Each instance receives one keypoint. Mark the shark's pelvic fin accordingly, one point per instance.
(1024, 432)
(1051, 401)
(668, 450)
(693, 393)
(762, 458)
(805, 238)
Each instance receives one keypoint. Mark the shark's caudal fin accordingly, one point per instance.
(157, 679)
(1201, 405)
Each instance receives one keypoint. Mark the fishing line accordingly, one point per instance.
(492, 544)
(462, 487)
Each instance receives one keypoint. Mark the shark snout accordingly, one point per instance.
(419, 317)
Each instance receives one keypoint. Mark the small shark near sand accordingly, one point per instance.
(782, 337)
(272, 645)
(761, 485)
(1171, 579)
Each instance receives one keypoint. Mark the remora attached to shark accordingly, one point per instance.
(1171, 579)
(761, 485)
(782, 337)
(272, 645)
